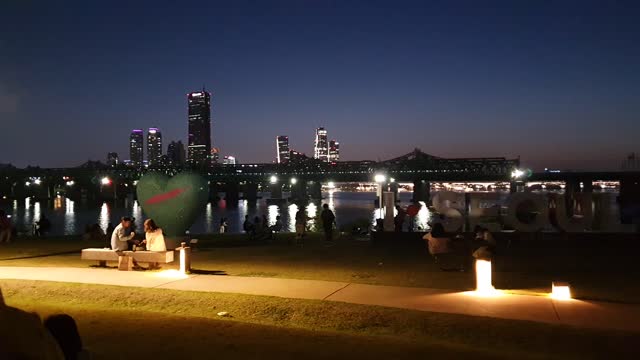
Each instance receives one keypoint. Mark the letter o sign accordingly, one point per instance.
(527, 212)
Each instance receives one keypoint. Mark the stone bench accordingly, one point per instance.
(125, 258)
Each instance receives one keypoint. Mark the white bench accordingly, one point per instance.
(125, 258)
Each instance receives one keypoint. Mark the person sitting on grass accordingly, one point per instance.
(154, 239)
(22, 336)
(65, 330)
(484, 244)
(440, 247)
(248, 227)
(120, 241)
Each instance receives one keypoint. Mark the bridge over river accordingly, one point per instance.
(303, 177)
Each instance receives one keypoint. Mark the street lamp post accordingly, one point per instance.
(380, 179)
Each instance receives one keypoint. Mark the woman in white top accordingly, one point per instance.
(154, 239)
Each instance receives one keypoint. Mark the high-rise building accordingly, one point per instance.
(282, 149)
(199, 146)
(175, 153)
(154, 146)
(321, 146)
(334, 151)
(229, 160)
(112, 159)
(136, 146)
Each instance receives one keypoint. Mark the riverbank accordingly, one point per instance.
(596, 271)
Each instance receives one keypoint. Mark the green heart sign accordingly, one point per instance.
(173, 203)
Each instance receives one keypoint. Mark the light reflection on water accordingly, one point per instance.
(105, 217)
(293, 210)
(70, 218)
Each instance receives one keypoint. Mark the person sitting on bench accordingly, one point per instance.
(153, 239)
(119, 239)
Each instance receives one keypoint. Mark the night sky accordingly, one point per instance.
(555, 82)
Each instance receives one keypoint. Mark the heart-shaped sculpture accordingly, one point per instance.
(173, 203)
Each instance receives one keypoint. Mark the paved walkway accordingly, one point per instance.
(520, 307)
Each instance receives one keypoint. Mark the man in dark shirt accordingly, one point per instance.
(328, 219)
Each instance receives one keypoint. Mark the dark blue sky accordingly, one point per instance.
(555, 82)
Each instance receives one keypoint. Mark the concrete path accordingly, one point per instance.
(587, 314)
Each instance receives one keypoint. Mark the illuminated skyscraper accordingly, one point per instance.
(334, 151)
(199, 147)
(136, 147)
(282, 149)
(321, 146)
(154, 146)
(175, 153)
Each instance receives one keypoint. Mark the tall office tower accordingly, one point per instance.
(154, 146)
(112, 159)
(199, 146)
(282, 149)
(136, 146)
(334, 151)
(175, 153)
(321, 146)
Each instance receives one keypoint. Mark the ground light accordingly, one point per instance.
(105, 181)
(483, 279)
(273, 179)
(294, 181)
(560, 290)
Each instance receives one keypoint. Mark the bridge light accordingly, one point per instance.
(294, 181)
(273, 179)
(380, 178)
(517, 173)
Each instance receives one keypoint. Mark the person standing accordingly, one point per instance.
(121, 237)
(6, 229)
(248, 227)
(398, 220)
(223, 225)
(328, 219)
(301, 226)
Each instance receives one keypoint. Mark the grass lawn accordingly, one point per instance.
(597, 274)
(122, 322)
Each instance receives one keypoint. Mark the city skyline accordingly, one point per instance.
(553, 84)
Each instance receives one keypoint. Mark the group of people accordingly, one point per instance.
(259, 229)
(453, 254)
(125, 238)
(7, 231)
(24, 336)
